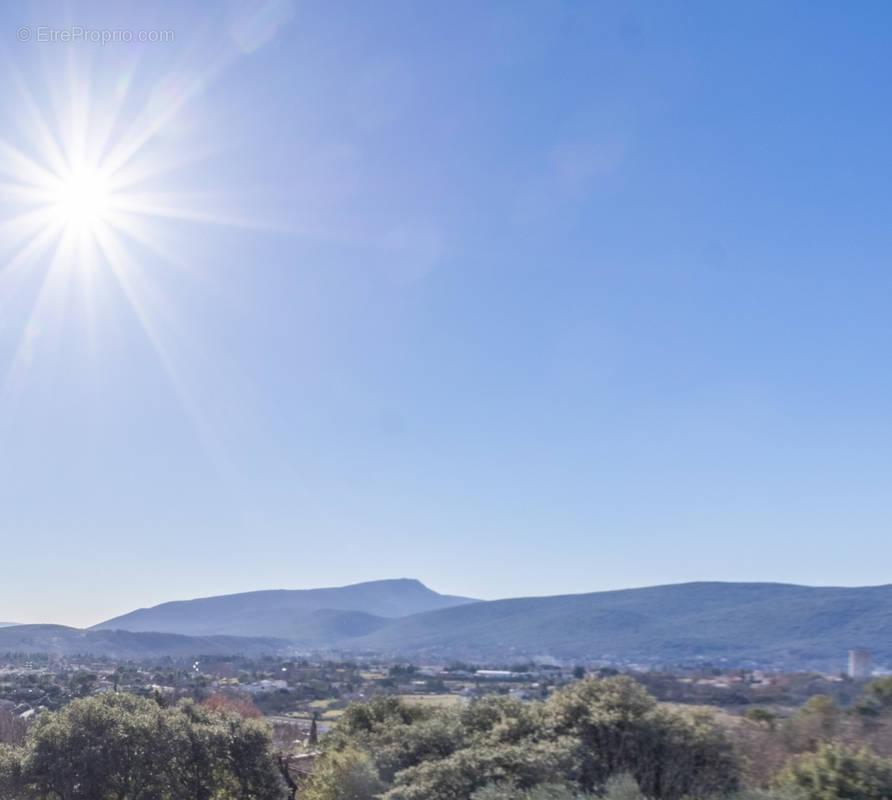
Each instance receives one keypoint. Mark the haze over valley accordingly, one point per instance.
(780, 626)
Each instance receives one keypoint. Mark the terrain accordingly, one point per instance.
(298, 614)
(767, 624)
(775, 625)
(64, 641)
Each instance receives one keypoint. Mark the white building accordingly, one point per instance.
(859, 664)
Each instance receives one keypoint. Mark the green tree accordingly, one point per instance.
(837, 773)
(876, 700)
(82, 684)
(815, 722)
(621, 729)
(11, 781)
(622, 787)
(123, 747)
(881, 691)
(314, 731)
(347, 774)
(544, 791)
(762, 716)
(99, 748)
(578, 741)
(396, 734)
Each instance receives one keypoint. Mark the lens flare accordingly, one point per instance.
(82, 200)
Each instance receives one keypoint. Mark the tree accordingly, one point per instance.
(395, 734)
(876, 700)
(881, 691)
(314, 732)
(544, 791)
(834, 772)
(815, 722)
(347, 774)
(622, 787)
(11, 783)
(243, 706)
(82, 684)
(12, 728)
(762, 716)
(123, 747)
(621, 729)
(579, 741)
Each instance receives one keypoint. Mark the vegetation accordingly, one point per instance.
(837, 773)
(123, 747)
(749, 625)
(576, 741)
(598, 738)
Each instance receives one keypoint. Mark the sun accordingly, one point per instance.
(81, 200)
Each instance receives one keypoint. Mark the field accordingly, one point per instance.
(436, 700)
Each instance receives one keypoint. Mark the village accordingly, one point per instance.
(300, 697)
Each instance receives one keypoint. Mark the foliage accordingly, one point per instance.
(10, 773)
(762, 716)
(881, 691)
(877, 698)
(243, 706)
(577, 742)
(12, 728)
(396, 734)
(544, 791)
(621, 728)
(347, 774)
(622, 787)
(815, 722)
(837, 773)
(124, 747)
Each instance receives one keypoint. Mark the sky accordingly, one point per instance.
(515, 298)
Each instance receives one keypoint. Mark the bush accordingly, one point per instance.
(544, 791)
(344, 775)
(837, 773)
(621, 729)
(126, 747)
(577, 742)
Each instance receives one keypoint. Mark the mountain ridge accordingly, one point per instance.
(767, 624)
(62, 640)
(282, 612)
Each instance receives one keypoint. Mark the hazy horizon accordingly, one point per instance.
(520, 299)
(133, 607)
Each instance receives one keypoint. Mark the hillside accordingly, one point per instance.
(61, 640)
(309, 616)
(735, 624)
(764, 623)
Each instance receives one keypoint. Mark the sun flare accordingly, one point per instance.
(92, 208)
(82, 200)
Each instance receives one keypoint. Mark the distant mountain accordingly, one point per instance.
(732, 624)
(316, 617)
(60, 640)
(742, 623)
(7, 624)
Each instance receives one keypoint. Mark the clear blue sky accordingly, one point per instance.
(515, 298)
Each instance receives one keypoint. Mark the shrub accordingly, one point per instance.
(837, 773)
